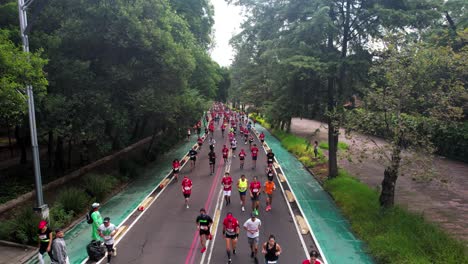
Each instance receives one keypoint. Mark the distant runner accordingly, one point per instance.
(175, 168)
(270, 158)
(242, 158)
(186, 190)
(254, 152)
(188, 134)
(204, 223)
(233, 147)
(193, 157)
(212, 160)
(200, 142)
(225, 151)
(262, 137)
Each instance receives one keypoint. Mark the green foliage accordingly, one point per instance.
(343, 146)
(73, 201)
(99, 185)
(393, 236)
(323, 145)
(22, 228)
(58, 217)
(129, 168)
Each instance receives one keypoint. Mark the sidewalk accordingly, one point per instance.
(15, 253)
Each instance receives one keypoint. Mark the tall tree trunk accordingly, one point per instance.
(387, 196)
(69, 152)
(50, 148)
(331, 105)
(59, 154)
(135, 129)
(21, 142)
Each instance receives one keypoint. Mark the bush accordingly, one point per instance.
(129, 168)
(323, 145)
(99, 185)
(343, 146)
(59, 217)
(396, 235)
(73, 200)
(7, 228)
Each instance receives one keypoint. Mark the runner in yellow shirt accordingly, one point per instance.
(242, 185)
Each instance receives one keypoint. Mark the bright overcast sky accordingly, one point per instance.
(227, 23)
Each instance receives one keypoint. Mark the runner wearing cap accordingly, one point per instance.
(252, 226)
(45, 241)
(204, 222)
(242, 185)
(186, 189)
(97, 221)
(107, 231)
(231, 233)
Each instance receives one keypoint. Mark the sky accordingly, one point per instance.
(227, 23)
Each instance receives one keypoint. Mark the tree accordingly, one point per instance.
(414, 86)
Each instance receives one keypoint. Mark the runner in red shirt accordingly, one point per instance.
(242, 158)
(313, 258)
(186, 189)
(262, 137)
(227, 187)
(231, 233)
(254, 151)
(200, 142)
(223, 128)
(175, 168)
(255, 188)
(225, 151)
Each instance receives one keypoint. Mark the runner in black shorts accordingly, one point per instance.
(270, 158)
(231, 233)
(204, 222)
(193, 157)
(212, 159)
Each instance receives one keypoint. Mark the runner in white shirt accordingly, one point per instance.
(233, 147)
(252, 226)
(107, 231)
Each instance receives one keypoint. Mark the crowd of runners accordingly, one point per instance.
(236, 125)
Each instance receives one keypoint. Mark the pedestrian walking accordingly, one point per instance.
(59, 249)
(107, 231)
(204, 223)
(316, 149)
(271, 250)
(252, 226)
(45, 241)
(97, 221)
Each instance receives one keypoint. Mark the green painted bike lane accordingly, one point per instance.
(331, 230)
(124, 203)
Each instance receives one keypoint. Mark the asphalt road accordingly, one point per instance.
(167, 233)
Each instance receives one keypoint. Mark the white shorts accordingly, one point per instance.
(227, 193)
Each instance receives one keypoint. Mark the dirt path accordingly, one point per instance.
(442, 202)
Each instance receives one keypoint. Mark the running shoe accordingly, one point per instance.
(187, 206)
(243, 209)
(256, 212)
(234, 251)
(115, 252)
(210, 237)
(203, 250)
(229, 261)
(252, 254)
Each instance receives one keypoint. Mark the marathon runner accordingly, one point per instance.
(313, 258)
(234, 146)
(262, 137)
(204, 223)
(242, 158)
(186, 190)
(252, 226)
(188, 134)
(175, 168)
(231, 233)
(270, 174)
(200, 142)
(227, 187)
(255, 188)
(269, 188)
(242, 185)
(193, 157)
(254, 152)
(212, 160)
(225, 152)
(212, 143)
(251, 140)
(45, 238)
(246, 136)
(270, 158)
(107, 231)
(271, 250)
(223, 128)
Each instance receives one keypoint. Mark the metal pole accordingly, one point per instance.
(41, 207)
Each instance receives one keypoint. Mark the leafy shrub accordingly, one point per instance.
(7, 228)
(396, 235)
(307, 161)
(129, 168)
(99, 185)
(73, 200)
(343, 146)
(323, 145)
(59, 217)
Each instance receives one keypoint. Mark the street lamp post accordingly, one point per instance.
(41, 208)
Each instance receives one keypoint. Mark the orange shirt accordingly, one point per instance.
(269, 187)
